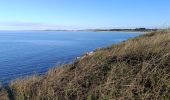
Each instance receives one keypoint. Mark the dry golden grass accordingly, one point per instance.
(138, 68)
(3, 94)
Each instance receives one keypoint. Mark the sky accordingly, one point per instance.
(83, 14)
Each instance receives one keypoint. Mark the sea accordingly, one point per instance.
(24, 53)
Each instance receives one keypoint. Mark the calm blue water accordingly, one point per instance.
(34, 52)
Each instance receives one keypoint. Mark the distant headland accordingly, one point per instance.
(121, 29)
(126, 29)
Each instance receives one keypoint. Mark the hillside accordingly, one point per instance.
(138, 68)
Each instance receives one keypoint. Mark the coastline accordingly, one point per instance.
(99, 70)
(110, 39)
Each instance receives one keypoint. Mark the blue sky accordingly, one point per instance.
(83, 14)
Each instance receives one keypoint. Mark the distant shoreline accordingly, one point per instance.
(125, 30)
(112, 30)
(98, 30)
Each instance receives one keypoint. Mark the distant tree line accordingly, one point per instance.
(136, 29)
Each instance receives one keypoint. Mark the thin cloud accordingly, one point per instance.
(30, 26)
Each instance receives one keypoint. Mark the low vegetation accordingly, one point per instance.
(3, 93)
(130, 30)
(138, 68)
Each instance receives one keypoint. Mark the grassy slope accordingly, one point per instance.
(134, 69)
